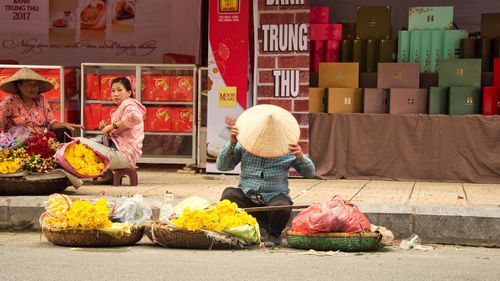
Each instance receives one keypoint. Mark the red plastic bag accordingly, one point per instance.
(61, 159)
(335, 215)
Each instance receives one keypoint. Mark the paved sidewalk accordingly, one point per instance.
(450, 213)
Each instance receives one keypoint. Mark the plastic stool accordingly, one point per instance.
(119, 174)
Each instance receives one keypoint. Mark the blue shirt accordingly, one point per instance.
(268, 176)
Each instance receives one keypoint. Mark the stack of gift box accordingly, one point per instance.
(338, 90)
(154, 88)
(324, 38)
(373, 41)
(459, 89)
(491, 95)
(397, 90)
(430, 38)
(487, 46)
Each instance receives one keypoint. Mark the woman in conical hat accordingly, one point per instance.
(265, 140)
(27, 106)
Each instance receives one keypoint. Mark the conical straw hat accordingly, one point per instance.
(25, 73)
(266, 130)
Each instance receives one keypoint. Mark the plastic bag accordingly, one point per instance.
(61, 159)
(250, 234)
(193, 203)
(133, 210)
(333, 216)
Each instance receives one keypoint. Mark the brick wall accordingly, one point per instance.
(267, 61)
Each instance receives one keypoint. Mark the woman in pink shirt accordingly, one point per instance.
(27, 106)
(122, 142)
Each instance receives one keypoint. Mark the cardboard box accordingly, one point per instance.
(158, 119)
(332, 53)
(338, 75)
(155, 87)
(438, 100)
(373, 22)
(398, 75)
(326, 31)
(182, 119)
(344, 100)
(375, 100)
(460, 72)
(92, 87)
(429, 18)
(407, 101)
(317, 55)
(181, 88)
(465, 100)
(490, 25)
(319, 14)
(317, 100)
(106, 111)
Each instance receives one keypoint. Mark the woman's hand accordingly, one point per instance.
(296, 150)
(107, 129)
(102, 124)
(72, 126)
(234, 134)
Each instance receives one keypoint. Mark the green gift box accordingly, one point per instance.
(428, 18)
(451, 43)
(436, 49)
(404, 46)
(438, 100)
(464, 100)
(460, 72)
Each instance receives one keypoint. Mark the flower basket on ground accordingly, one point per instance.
(81, 161)
(217, 227)
(27, 164)
(335, 241)
(83, 223)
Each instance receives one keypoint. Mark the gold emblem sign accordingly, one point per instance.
(398, 76)
(372, 23)
(347, 100)
(460, 72)
(229, 6)
(469, 101)
(411, 101)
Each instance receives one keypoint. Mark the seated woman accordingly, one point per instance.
(27, 107)
(122, 142)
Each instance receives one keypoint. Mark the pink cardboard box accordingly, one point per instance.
(324, 31)
(320, 14)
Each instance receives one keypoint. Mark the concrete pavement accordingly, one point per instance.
(451, 213)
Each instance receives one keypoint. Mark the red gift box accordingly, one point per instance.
(158, 119)
(171, 58)
(324, 31)
(155, 87)
(87, 117)
(105, 84)
(182, 119)
(54, 77)
(181, 88)
(96, 113)
(320, 14)
(106, 112)
(332, 50)
(496, 72)
(491, 100)
(317, 55)
(92, 88)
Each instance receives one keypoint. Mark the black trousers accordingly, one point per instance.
(273, 221)
(60, 134)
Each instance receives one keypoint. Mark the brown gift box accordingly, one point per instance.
(339, 75)
(317, 100)
(398, 75)
(344, 100)
(407, 101)
(375, 100)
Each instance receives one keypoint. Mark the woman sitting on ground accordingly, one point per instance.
(27, 106)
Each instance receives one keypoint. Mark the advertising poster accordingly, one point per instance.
(69, 32)
(228, 72)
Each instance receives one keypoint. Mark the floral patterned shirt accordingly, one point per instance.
(13, 112)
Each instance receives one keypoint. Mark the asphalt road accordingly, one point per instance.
(28, 256)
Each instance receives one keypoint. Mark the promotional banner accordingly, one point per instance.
(69, 32)
(228, 71)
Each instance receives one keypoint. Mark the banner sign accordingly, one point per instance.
(69, 32)
(228, 71)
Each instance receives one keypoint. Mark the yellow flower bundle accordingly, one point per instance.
(12, 160)
(223, 216)
(62, 213)
(84, 160)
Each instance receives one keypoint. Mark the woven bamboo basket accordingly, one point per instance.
(346, 242)
(173, 237)
(91, 238)
(25, 185)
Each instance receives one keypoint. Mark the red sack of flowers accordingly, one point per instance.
(81, 160)
(335, 215)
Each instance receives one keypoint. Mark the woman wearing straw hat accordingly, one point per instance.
(27, 107)
(265, 141)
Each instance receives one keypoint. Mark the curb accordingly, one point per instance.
(465, 225)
